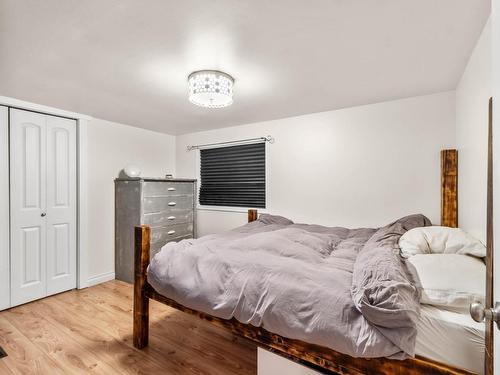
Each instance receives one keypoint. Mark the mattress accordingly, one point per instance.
(450, 337)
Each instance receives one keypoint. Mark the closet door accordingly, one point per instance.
(43, 205)
(28, 205)
(61, 204)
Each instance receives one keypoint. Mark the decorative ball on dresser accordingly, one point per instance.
(132, 170)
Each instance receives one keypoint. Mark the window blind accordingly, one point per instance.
(234, 176)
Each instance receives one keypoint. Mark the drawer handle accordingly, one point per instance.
(171, 218)
(172, 203)
(170, 232)
(171, 189)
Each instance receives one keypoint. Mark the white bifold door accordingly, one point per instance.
(42, 205)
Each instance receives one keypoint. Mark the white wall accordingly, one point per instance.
(472, 95)
(112, 146)
(361, 166)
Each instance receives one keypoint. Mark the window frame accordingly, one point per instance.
(231, 208)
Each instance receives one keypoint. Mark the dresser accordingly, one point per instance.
(166, 205)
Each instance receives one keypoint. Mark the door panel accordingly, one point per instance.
(31, 257)
(31, 153)
(60, 150)
(28, 203)
(61, 204)
(61, 254)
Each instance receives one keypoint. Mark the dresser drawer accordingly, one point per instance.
(168, 233)
(168, 217)
(171, 204)
(155, 189)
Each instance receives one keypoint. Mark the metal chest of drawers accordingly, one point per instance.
(166, 205)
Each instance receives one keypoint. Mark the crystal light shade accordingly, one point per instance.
(210, 88)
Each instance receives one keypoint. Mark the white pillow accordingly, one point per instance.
(427, 240)
(450, 280)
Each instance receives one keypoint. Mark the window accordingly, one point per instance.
(234, 176)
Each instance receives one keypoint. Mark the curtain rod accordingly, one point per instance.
(238, 142)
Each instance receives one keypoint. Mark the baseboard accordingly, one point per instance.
(102, 278)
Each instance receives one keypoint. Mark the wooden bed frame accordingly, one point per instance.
(316, 357)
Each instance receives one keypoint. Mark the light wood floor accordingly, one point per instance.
(89, 331)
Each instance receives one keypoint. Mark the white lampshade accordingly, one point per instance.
(210, 88)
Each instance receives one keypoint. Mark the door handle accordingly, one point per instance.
(479, 313)
(43, 214)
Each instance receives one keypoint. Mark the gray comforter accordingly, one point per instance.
(346, 289)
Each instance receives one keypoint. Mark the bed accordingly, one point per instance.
(343, 357)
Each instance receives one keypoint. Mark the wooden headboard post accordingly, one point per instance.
(252, 215)
(449, 188)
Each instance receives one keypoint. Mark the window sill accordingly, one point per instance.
(231, 209)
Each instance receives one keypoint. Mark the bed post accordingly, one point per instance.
(449, 188)
(252, 215)
(141, 301)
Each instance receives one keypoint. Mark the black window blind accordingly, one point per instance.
(234, 176)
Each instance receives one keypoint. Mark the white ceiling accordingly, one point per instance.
(128, 60)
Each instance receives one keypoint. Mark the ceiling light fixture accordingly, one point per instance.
(211, 88)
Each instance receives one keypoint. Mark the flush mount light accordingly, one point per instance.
(211, 88)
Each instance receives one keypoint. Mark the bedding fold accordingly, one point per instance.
(346, 289)
(385, 288)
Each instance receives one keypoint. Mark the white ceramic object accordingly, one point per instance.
(132, 170)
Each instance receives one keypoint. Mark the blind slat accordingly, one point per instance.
(236, 168)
